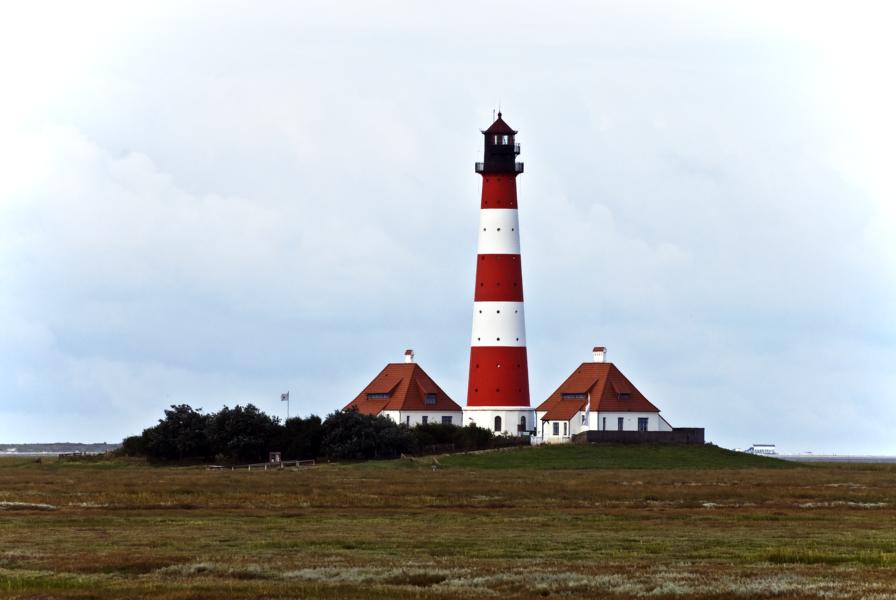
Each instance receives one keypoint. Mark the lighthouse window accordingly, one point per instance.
(430, 399)
(497, 423)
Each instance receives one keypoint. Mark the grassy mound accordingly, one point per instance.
(615, 456)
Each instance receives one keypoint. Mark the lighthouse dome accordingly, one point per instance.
(499, 127)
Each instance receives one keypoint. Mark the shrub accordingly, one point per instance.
(349, 434)
(134, 445)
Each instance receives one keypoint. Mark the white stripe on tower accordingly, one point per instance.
(499, 231)
(498, 324)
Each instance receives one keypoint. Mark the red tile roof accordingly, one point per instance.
(407, 385)
(565, 409)
(593, 378)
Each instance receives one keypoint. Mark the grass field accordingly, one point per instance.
(571, 522)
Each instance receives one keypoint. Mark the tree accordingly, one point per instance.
(180, 435)
(243, 434)
(299, 438)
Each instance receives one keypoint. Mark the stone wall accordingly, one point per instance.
(679, 435)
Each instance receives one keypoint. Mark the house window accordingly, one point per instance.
(584, 418)
(642, 423)
(425, 419)
(556, 428)
(623, 395)
(407, 420)
(619, 423)
(605, 424)
(430, 399)
(568, 396)
(375, 396)
(565, 428)
(522, 422)
(446, 420)
(497, 423)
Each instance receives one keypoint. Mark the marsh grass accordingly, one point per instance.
(470, 529)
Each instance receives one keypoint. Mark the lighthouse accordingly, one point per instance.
(498, 390)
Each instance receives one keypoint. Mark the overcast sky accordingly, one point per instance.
(213, 203)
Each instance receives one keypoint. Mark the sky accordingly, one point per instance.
(213, 203)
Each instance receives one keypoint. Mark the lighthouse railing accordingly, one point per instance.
(517, 168)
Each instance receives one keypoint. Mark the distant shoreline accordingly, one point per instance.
(52, 449)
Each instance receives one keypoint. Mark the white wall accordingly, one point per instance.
(415, 417)
(629, 421)
(484, 417)
(573, 426)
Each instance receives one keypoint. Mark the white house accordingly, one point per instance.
(596, 397)
(404, 393)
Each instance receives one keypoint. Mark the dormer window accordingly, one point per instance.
(572, 396)
(429, 399)
(376, 396)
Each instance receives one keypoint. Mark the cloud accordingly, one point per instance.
(215, 210)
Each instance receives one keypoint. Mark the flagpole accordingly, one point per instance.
(286, 398)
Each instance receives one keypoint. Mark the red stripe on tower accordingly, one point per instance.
(498, 391)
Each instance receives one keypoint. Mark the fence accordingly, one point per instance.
(265, 466)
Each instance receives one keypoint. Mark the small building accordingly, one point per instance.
(596, 397)
(404, 393)
(765, 449)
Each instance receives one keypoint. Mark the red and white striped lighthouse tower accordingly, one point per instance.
(498, 391)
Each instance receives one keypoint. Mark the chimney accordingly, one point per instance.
(409, 356)
(600, 354)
